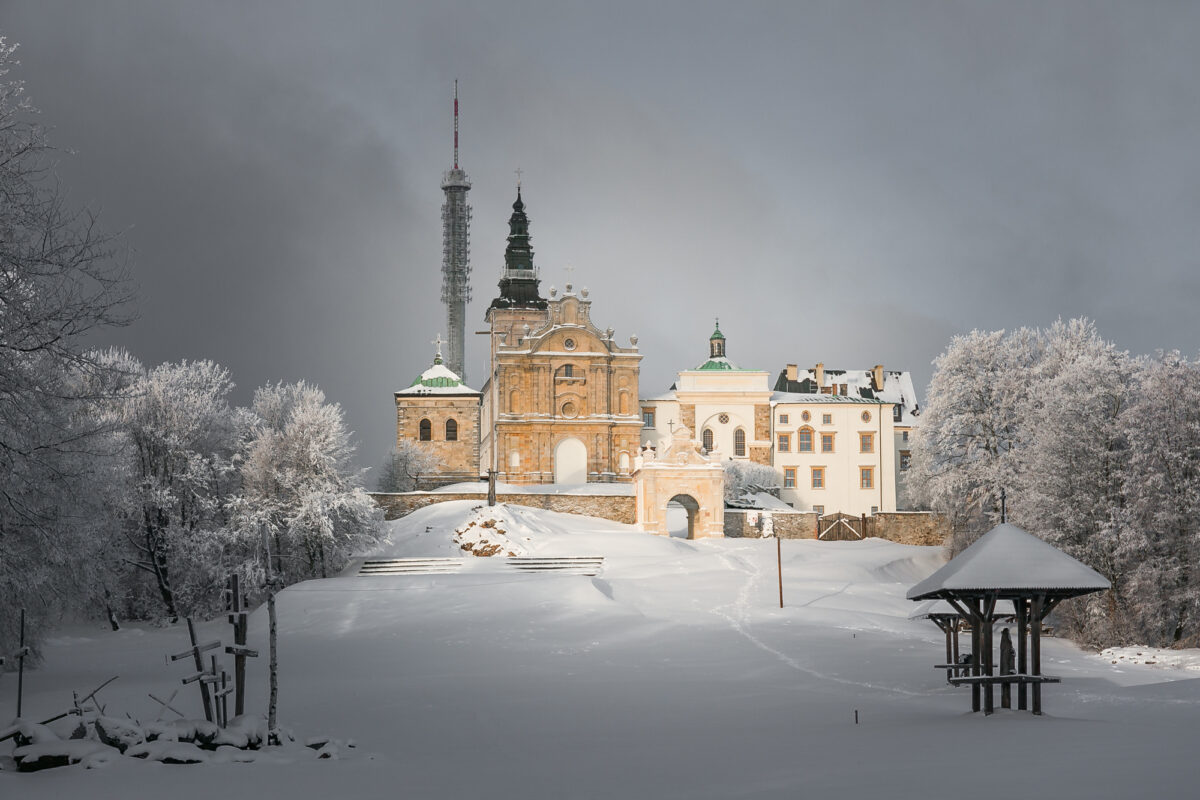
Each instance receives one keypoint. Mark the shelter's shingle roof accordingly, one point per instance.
(1007, 559)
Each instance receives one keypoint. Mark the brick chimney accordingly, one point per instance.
(819, 376)
(877, 377)
(792, 373)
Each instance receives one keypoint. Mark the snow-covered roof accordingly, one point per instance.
(799, 397)
(763, 501)
(438, 379)
(897, 387)
(1007, 559)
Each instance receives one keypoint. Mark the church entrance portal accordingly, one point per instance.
(570, 462)
(681, 516)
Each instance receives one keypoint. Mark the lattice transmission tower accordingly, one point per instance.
(456, 255)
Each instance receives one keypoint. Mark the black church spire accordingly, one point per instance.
(519, 283)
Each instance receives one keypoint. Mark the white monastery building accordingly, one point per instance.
(838, 439)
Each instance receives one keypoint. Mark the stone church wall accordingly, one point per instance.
(459, 460)
(618, 508)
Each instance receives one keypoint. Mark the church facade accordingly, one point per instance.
(561, 403)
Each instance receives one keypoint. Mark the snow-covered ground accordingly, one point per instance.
(671, 674)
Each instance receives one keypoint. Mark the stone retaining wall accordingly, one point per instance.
(904, 527)
(910, 527)
(743, 523)
(618, 508)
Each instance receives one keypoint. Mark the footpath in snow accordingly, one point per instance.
(672, 673)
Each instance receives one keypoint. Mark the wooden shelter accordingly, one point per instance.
(1007, 564)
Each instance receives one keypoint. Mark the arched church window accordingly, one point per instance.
(451, 430)
(707, 439)
(739, 442)
(426, 430)
(514, 402)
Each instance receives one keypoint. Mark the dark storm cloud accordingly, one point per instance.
(845, 182)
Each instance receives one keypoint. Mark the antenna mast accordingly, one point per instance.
(456, 255)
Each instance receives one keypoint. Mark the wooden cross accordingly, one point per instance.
(239, 651)
(199, 675)
(166, 704)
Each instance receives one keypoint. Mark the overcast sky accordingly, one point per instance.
(845, 182)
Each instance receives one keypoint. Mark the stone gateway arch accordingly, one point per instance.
(684, 474)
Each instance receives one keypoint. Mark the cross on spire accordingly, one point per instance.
(518, 170)
(438, 343)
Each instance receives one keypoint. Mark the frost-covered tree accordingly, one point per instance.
(302, 497)
(1162, 500)
(184, 439)
(59, 280)
(746, 477)
(403, 468)
(962, 452)
(1070, 467)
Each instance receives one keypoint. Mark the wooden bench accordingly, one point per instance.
(988, 680)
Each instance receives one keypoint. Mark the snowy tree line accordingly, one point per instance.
(126, 486)
(1097, 452)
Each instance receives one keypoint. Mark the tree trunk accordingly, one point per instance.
(161, 574)
(272, 720)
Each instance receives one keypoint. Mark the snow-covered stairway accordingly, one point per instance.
(574, 565)
(411, 566)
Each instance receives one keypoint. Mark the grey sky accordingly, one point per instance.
(843, 182)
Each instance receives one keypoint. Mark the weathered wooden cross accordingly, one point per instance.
(166, 704)
(235, 602)
(199, 676)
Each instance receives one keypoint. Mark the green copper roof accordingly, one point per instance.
(718, 363)
(717, 333)
(439, 381)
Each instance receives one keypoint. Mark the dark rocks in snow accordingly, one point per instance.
(119, 733)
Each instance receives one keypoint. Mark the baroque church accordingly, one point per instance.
(560, 404)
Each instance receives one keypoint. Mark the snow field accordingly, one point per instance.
(671, 674)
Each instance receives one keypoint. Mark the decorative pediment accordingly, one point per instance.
(683, 450)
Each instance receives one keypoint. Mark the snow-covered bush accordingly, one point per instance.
(747, 477)
(402, 470)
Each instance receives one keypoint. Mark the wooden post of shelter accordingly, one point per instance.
(1035, 648)
(1022, 608)
(989, 660)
